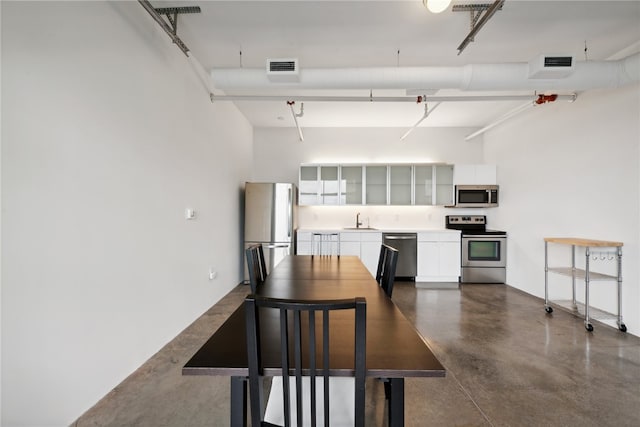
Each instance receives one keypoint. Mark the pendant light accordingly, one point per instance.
(436, 6)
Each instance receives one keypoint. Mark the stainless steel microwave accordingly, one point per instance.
(476, 196)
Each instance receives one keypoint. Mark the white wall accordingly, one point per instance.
(278, 154)
(572, 169)
(107, 136)
(564, 169)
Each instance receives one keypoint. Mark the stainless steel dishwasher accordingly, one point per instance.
(407, 246)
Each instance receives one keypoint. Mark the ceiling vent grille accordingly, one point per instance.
(283, 70)
(551, 67)
(558, 61)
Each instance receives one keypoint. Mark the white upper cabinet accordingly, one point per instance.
(433, 184)
(374, 184)
(329, 185)
(351, 185)
(475, 175)
(400, 188)
(319, 185)
(309, 186)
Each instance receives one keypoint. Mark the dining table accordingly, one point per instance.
(395, 350)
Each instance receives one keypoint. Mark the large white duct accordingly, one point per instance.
(477, 77)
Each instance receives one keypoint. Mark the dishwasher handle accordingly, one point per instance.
(392, 237)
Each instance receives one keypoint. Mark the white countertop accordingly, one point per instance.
(376, 230)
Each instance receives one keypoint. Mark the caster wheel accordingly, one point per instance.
(623, 327)
(548, 309)
(589, 327)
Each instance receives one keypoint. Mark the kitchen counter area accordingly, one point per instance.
(437, 249)
(378, 230)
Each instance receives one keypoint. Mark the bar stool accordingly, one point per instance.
(320, 240)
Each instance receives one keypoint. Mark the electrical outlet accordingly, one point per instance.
(212, 274)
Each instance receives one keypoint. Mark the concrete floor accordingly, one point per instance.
(508, 364)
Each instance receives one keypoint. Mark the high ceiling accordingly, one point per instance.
(360, 34)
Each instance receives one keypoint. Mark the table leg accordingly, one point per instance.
(396, 402)
(238, 402)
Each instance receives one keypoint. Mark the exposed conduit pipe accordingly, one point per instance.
(542, 99)
(511, 76)
(369, 98)
(295, 117)
(424, 116)
(501, 119)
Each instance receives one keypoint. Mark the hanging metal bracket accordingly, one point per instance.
(172, 14)
(480, 14)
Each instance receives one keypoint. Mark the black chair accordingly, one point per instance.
(387, 263)
(255, 264)
(316, 373)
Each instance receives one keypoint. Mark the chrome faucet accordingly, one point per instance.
(358, 222)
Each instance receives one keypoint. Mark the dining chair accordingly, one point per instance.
(386, 272)
(255, 265)
(305, 393)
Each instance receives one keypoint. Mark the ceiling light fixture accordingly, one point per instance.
(436, 6)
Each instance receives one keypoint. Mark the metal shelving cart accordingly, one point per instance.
(588, 276)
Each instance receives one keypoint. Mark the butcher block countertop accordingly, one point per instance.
(577, 241)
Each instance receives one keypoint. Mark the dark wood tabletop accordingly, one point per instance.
(394, 348)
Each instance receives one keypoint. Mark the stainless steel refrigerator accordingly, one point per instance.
(270, 219)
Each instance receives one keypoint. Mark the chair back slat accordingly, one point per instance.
(304, 346)
(312, 364)
(325, 350)
(256, 266)
(387, 263)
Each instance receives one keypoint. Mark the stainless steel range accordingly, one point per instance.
(484, 252)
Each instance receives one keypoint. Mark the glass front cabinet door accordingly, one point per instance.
(400, 185)
(329, 185)
(376, 185)
(351, 185)
(424, 184)
(308, 186)
(444, 185)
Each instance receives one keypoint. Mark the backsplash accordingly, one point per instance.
(387, 217)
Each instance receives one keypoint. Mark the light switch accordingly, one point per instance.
(189, 213)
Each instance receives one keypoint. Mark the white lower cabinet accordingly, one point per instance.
(350, 243)
(363, 244)
(438, 256)
(370, 251)
(303, 243)
(438, 252)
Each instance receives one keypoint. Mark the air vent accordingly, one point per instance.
(282, 70)
(558, 61)
(551, 66)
